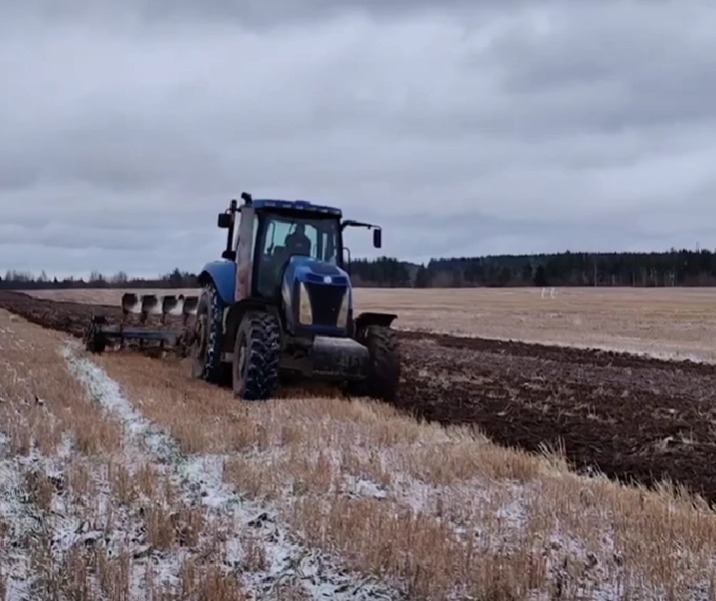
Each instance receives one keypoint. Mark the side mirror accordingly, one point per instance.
(224, 221)
(229, 254)
(377, 238)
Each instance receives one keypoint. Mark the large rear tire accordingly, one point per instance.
(257, 351)
(383, 377)
(206, 347)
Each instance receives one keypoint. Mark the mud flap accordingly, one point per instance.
(339, 357)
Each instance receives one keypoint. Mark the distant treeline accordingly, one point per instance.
(672, 268)
(27, 281)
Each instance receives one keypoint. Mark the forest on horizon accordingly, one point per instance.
(639, 269)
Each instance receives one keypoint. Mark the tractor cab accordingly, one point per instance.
(282, 289)
(283, 234)
(290, 254)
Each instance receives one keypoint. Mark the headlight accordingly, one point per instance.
(343, 312)
(305, 314)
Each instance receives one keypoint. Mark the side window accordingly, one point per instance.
(329, 251)
(312, 235)
(275, 235)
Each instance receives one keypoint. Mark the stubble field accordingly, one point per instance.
(452, 513)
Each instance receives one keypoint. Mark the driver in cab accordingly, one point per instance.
(297, 243)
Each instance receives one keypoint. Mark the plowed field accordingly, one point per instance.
(631, 417)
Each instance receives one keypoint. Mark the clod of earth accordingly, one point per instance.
(636, 419)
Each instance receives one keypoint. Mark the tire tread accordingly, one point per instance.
(212, 369)
(263, 349)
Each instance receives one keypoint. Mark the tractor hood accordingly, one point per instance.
(323, 286)
(306, 269)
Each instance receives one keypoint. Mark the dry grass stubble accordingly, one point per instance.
(442, 510)
(77, 521)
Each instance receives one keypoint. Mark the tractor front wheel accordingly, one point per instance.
(257, 350)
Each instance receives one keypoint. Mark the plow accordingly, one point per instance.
(148, 322)
(278, 303)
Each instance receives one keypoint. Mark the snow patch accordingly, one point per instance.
(71, 520)
(200, 479)
(20, 521)
(507, 507)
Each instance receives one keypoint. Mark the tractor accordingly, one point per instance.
(279, 303)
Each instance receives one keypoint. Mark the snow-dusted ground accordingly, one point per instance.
(72, 521)
(68, 521)
(200, 480)
(20, 520)
(493, 518)
(486, 522)
(244, 527)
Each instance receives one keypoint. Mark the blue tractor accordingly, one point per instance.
(280, 303)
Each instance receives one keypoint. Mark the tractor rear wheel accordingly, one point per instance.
(383, 375)
(257, 350)
(206, 347)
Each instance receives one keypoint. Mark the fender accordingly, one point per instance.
(223, 275)
(372, 319)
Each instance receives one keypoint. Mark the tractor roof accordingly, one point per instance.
(295, 205)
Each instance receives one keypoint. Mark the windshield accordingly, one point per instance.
(287, 235)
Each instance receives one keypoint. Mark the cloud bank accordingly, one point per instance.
(463, 128)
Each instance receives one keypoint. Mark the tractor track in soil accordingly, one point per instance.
(634, 418)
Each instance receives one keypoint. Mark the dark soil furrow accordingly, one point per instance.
(643, 423)
(577, 356)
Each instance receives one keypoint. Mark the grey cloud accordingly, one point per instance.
(66, 236)
(635, 66)
(258, 14)
(506, 127)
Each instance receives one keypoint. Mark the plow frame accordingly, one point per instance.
(100, 333)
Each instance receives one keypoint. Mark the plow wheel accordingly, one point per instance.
(94, 341)
(205, 350)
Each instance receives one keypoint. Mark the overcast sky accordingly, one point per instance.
(462, 127)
